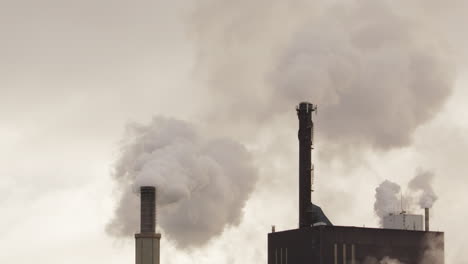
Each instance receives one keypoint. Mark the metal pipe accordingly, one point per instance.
(147, 242)
(147, 209)
(426, 219)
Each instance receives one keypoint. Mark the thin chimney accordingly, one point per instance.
(426, 218)
(147, 209)
(147, 241)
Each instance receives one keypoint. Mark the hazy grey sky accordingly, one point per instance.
(74, 73)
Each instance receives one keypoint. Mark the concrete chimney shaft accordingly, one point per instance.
(147, 241)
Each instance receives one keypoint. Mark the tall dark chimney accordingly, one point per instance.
(306, 126)
(147, 241)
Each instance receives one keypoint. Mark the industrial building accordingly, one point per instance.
(349, 245)
(317, 241)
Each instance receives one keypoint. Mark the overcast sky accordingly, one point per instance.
(74, 73)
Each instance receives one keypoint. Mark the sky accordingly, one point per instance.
(389, 79)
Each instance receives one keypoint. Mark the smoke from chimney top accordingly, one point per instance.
(422, 184)
(388, 195)
(386, 199)
(147, 209)
(202, 183)
(375, 70)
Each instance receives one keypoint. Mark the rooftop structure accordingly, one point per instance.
(317, 241)
(403, 221)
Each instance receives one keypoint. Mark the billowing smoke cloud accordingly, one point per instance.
(376, 72)
(202, 184)
(386, 199)
(422, 183)
(375, 76)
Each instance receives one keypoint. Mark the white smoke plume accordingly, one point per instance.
(422, 184)
(202, 183)
(376, 70)
(386, 199)
(375, 75)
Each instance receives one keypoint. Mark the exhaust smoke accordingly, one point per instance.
(202, 183)
(377, 71)
(420, 195)
(386, 199)
(422, 184)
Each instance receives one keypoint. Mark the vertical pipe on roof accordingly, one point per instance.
(426, 218)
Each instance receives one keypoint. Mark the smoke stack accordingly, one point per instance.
(147, 209)
(147, 241)
(426, 219)
(306, 126)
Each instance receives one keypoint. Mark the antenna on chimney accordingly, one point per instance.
(401, 201)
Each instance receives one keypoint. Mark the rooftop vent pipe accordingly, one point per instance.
(426, 219)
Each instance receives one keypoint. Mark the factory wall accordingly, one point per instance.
(347, 245)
